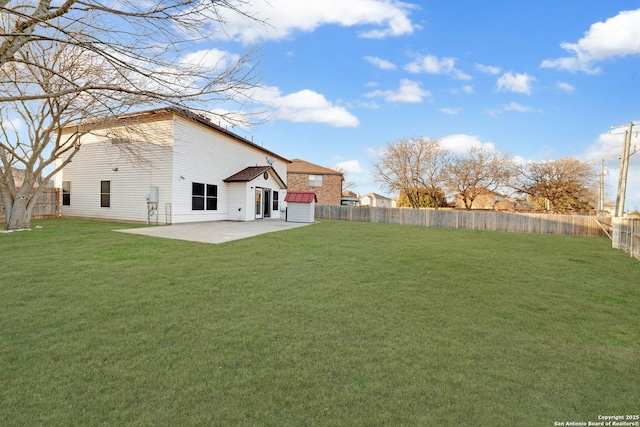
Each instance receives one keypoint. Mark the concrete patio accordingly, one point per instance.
(215, 231)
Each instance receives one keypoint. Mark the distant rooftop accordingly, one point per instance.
(301, 166)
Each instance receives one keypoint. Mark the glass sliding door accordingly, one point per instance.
(258, 202)
(266, 203)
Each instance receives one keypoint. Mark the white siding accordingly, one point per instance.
(240, 205)
(300, 212)
(171, 153)
(382, 203)
(145, 164)
(205, 156)
(281, 205)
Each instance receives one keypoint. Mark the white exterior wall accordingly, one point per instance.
(240, 204)
(300, 212)
(130, 184)
(382, 203)
(205, 156)
(282, 205)
(175, 153)
(375, 202)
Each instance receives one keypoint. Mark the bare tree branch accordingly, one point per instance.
(480, 171)
(414, 167)
(87, 61)
(558, 185)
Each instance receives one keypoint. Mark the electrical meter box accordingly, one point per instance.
(153, 195)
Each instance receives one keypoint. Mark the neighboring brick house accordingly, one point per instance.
(325, 182)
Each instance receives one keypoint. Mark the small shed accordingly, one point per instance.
(301, 206)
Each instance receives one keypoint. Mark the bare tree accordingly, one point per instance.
(426, 199)
(562, 184)
(85, 62)
(347, 185)
(30, 141)
(432, 170)
(480, 171)
(414, 167)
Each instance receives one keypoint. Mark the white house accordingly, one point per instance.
(375, 200)
(171, 166)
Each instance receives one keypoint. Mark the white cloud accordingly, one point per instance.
(229, 118)
(606, 146)
(281, 18)
(461, 143)
(11, 123)
(468, 89)
(493, 112)
(409, 91)
(211, 58)
(352, 166)
(518, 83)
(488, 69)
(383, 64)
(565, 87)
(514, 106)
(430, 64)
(203, 62)
(451, 111)
(519, 160)
(304, 106)
(609, 148)
(376, 152)
(369, 105)
(616, 37)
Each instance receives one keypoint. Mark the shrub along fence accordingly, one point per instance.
(47, 206)
(571, 225)
(626, 235)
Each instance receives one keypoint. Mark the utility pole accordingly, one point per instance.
(601, 193)
(624, 167)
(601, 189)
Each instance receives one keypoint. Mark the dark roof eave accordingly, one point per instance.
(255, 171)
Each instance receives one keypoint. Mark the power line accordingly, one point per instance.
(624, 166)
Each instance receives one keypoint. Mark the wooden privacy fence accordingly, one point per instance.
(47, 205)
(626, 235)
(571, 225)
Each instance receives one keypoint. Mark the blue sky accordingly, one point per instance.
(538, 79)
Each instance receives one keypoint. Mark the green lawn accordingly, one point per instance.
(337, 323)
